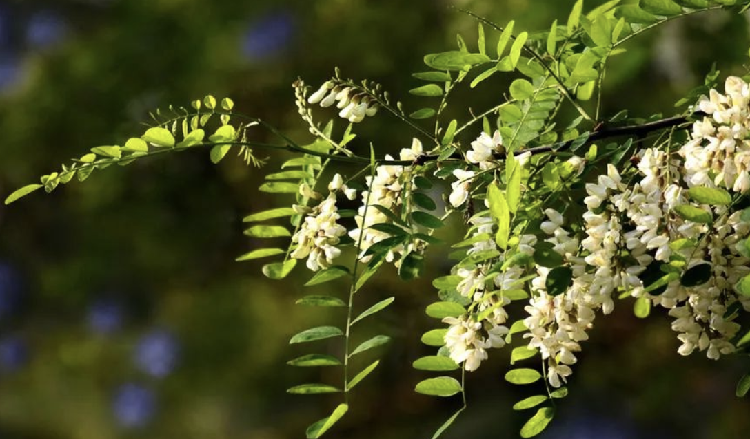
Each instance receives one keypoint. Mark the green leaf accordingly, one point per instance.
(389, 228)
(135, 145)
(210, 102)
(574, 17)
(374, 342)
(708, 195)
(327, 275)
(269, 214)
(426, 219)
(159, 136)
(411, 265)
(318, 333)
(601, 31)
(267, 231)
(504, 38)
(360, 376)
(642, 307)
(317, 300)
(423, 113)
(743, 286)
(436, 337)
(108, 151)
(447, 423)
(279, 187)
(423, 201)
(440, 310)
(521, 89)
(439, 386)
(500, 213)
(279, 270)
(302, 161)
(559, 279)
(433, 76)
(546, 256)
(482, 76)
(513, 188)
(260, 253)
(224, 133)
(450, 133)
(522, 353)
(530, 402)
(561, 392)
(694, 214)
(696, 275)
(193, 138)
(743, 386)
(373, 309)
(551, 176)
(289, 175)
(454, 60)
(522, 376)
(515, 49)
(634, 14)
(552, 39)
(662, 281)
(517, 326)
(666, 8)
(481, 40)
(435, 363)
(319, 427)
(538, 422)
(22, 192)
(309, 389)
(314, 360)
(371, 269)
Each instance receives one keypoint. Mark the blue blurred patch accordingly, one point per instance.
(44, 29)
(10, 69)
(14, 353)
(268, 36)
(156, 353)
(134, 405)
(10, 290)
(105, 316)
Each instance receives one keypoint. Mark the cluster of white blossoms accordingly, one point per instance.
(354, 107)
(385, 190)
(319, 235)
(634, 239)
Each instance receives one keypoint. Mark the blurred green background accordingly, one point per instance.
(122, 313)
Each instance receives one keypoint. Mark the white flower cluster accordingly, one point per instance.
(318, 235)
(467, 339)
(353, 108)
(635, 239)
(385, 189)
(719, 152)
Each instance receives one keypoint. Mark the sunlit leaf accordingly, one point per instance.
(530, 402)
(159, 136)
(327, 275)
(522, 376)
(360, 376)
(538, 422)
(435, 337)
(435, 363)
(260, 253)
(440, 310)
(439, 386)
(373, 309)
(22, 192)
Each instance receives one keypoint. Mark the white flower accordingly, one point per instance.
(337, 183)
(318, 236)
(483, 149)
(321, 93)
(460, 192)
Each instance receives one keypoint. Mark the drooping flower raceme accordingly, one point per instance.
(318, 236)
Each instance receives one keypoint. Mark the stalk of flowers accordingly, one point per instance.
(484, 327)
(354, 107)
(719, 151)
(320, 233)
(385, 189)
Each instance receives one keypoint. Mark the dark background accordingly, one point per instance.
(122, 313)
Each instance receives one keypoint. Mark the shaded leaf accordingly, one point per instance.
(260, 253)
(313, 334)
(376, 341)
(279, 270)
(314, 360)
(423, 113)
(426, 219)
(559, 279)
(743, 386)
(308, 389)
(429, 90)
(373, 309)
(269, 214)
(327, 275)
(696, 275)
(360, 376)
(433, 76)
(530, 402)
(279, 187)
(423, 201)
(261, 231)
(316, 300)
